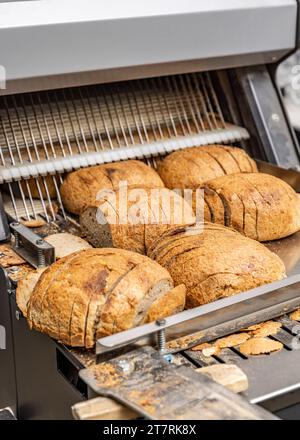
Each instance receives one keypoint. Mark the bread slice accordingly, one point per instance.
(42, 286)
(170, 303)
(25, 288)
(80, 188)
(97, 292)
(243, 160)
(222, 156)
(271, 208)
(215, 262)
(129, 301)
(235, 206)
(65, 244)
(192, 167)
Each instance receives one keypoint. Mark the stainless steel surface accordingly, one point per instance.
(134, 72)
(159, 390)
(67, 36)
(284, 379)
(290, 176)
(265, 117)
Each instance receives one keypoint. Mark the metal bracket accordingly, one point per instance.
(31, 247)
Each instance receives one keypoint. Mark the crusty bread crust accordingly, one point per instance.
(257, 205)
(97, 292)
(192, 167)
(216, 262)
(80, 188)
(168, 304)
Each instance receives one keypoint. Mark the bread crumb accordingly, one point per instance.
(227, 342)
(252, 327)
(256, 346)
(267, 329)
(105, 374)
(200, 347)
(52, 208)
(295, 316)
(232, 340)
(16, 273)
(8, 257)
(33, 223)
(210, 351)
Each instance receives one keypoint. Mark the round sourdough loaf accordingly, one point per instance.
(257, 205)
(98, 292)
(134, 220)
(81, 188)
(214, 261)
(191, 167)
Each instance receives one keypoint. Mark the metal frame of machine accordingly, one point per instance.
(168, 35)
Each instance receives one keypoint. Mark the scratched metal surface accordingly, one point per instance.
(145, 382)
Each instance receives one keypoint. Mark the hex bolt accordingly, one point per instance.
(275, 117)
(124, 366)
(15, 224)
(161, 336)
(14, 269)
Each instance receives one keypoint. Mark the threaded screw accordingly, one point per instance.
(161, 336)
(41, 256)
(17, 239)
(41, 259)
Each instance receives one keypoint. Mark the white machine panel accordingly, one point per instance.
(46, 38)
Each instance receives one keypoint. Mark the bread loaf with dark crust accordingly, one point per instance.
(214, 261)
(257, 205)
(134, 221)
(191, 167)
(80, 188)
(98, 292)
